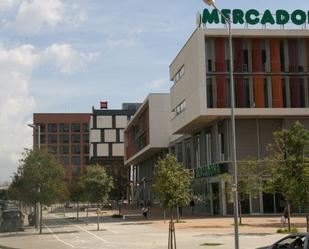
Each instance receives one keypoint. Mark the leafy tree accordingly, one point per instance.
(248, 181)
(172, 186)
(39, 178)
(287, 168)
(77, 193)
(97, 185)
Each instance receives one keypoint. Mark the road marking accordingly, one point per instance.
(57, 238)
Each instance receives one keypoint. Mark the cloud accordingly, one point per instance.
(156, 84)
(5, 4)
(34, 15)
(16, 105)
(67, 59)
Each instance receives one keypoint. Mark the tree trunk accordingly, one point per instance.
(289, 216)
(177, 213)
(77, 212)
(87, 214)
(41, 217)
(240, 218)
(98, 218)
(171, 236)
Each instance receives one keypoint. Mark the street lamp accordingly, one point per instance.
(38, 128)
(38, 215)
(233, 138)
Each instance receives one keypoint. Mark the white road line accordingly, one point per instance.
(57, 238)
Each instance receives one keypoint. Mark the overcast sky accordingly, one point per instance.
(67, 55)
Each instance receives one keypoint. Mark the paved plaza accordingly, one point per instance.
(65, 232)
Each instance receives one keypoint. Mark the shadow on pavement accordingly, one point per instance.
(5, 247)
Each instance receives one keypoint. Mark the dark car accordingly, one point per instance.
(12, 220)
(294, 241)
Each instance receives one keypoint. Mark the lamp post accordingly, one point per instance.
(38, 208)
(233, 137)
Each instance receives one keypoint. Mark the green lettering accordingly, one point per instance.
(298, 17)
(249, 19)
(267, 18)
(212, 17)
(226, 13)
(238, 16)
(282, 17)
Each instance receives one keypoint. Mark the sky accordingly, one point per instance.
(67, 55)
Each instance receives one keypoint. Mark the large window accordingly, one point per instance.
(221, 148)
(210, 97)
(64, 149)
(85, 138)
(75, 149)
(188, 163)
(64, 127)
(75, 138)
(179, 152)
(64, 160)
(52, 127)
(75, 160)
(64, 139)
(52, 149)
(208, 143)
(85, 127)
(75, 127)
(197, 151)
(52, 139)
(86, 149)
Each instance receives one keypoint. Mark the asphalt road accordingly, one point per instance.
(66, 233)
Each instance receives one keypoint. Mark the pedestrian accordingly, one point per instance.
(145, 212)
(192, 204)
(285, 216)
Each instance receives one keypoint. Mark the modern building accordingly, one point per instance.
(146, 140)
(107, 142)
(66, 135)
(271, 69)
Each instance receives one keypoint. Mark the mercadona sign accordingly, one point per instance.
(253, 17)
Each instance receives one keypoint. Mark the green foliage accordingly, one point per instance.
(286, 230)
(172, 182)
(287, 166)
(77, 190)
(97, 184)
(39, 178)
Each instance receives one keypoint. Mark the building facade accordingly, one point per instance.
(66, 135)
(107, 143)
(147, 139)
(271, 69)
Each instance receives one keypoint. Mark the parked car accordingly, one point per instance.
(293, 241)
(31, 219)
(12, 220)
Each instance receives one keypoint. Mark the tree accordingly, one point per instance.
(249, 176)
(39, 179)
(287, 168)
(77, 193)
(172, 186)
(97, 185)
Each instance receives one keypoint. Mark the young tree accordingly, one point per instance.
(39, 179)
(77, 193)
(287, 166)
(97, 185)
(248, 181)
(172, 186)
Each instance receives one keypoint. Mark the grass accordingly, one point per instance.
(116, 216)
(286, 230)
(211, 244)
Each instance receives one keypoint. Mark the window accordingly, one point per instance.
(75, 149)
(85, 127)
(188, 153)
(86, 160)
(210, 98)
(52, 149)
(75, 138)
(52, 127)
(64, 127)
(64, 160)
(75, 160)
(86, 149)
(42, 127)
(179, 152)
(42, 139)
(172, 150)
(52, 139)
(246, 60)
(180, 108)
(64, 149)
(85, 138)
(75, 127)
(282, 56)
(64, 139)
(197, 150)
(179, 74)
(208, 143)
(221, 143)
